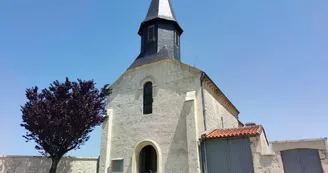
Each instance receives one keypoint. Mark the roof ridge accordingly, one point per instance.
(244, 127)
(235, 132)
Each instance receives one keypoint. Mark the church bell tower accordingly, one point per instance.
(160, 34)
(151, 124)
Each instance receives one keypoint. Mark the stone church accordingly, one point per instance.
(165, 116)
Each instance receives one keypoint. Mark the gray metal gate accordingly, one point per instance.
(229, 156)
(301, 161)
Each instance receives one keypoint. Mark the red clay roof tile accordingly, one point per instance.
(235, 132)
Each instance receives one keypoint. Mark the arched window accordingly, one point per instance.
(148, 98)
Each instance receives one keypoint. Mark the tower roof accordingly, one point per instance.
(160, 34)
(160, 9)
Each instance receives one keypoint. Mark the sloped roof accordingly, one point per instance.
(224, 99)
(161, 9)
(235, 132)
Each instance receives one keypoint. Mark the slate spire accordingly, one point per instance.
(160, 34)
(160, 9)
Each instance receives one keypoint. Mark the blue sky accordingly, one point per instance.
(269, 57)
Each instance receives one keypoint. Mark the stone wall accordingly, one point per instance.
(269, 161)
(171, 128)
(215, 113)
(324, 160)
(264, 160)
(38, 164)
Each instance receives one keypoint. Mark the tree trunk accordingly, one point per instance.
(54, 164)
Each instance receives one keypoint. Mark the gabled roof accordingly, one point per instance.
(161, 9)
(235, 132)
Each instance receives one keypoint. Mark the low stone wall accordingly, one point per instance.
(272, 162)
(324, 161)
(269, 161)
(263, 160)
(38, 164)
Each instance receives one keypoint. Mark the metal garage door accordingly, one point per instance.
(301, 161)
(229, 156)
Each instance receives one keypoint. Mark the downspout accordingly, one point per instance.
(202, 86)
(203, 142)
(204, 159)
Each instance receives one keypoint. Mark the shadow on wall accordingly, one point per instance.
(32, 164)
(178, 151)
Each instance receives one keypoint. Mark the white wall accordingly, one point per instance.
(214, 111)
(172, 125)
(263, 161)
(264, 143)
(38, 164)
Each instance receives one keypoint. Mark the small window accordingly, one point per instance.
(148, 98)
(177, 39)
(151, 33)
(117, 165)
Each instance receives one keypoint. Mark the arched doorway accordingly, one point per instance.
(148, 160)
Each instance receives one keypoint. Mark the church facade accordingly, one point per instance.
(165, 116)
(156, 107)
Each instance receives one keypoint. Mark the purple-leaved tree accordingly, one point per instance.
(60, 118)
